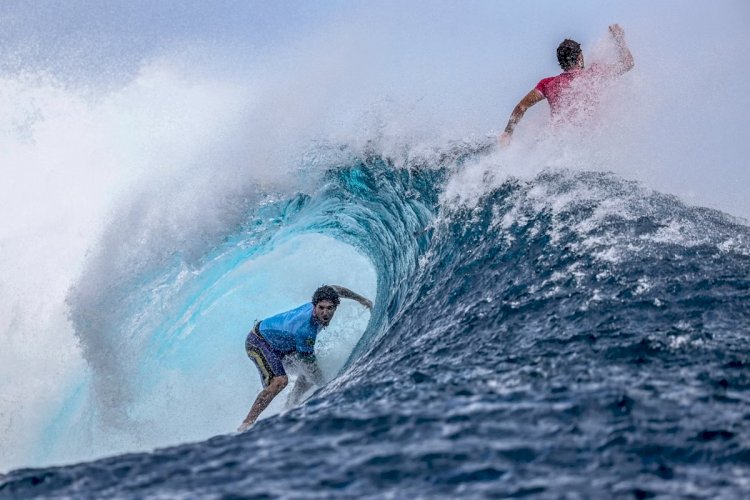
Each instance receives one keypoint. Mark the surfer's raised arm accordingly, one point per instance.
(624, 57)
(348, 294)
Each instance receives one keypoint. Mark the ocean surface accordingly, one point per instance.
(570, 335)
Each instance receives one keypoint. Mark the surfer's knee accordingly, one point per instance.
(278, 383)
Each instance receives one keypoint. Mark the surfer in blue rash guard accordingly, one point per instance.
(292, 334)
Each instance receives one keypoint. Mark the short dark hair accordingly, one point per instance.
(326, 292)
(567, 53)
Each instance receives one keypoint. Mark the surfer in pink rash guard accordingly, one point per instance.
(573, 92)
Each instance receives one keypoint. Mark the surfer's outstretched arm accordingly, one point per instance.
(348, 294)
(528, 100)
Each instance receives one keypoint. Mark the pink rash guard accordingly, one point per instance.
(572, 90)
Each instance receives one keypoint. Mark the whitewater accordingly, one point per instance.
(566, 317)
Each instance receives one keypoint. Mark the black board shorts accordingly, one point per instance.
(266, 359)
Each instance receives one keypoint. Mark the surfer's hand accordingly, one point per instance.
(367, 303)
(504, 140)
(617, 32)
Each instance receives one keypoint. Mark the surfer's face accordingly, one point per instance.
(324, 311)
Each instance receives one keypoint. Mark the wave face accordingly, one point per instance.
(571, 322)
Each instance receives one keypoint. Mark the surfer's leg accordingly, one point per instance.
(275, 386)
(272, 376)
(300, 388)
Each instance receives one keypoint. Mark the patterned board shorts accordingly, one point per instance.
(265, 358)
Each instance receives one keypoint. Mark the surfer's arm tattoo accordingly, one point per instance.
(348, 294)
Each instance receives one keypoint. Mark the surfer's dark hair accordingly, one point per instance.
(567, 53)
(326, 292)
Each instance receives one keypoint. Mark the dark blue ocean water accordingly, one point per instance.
(574, 335)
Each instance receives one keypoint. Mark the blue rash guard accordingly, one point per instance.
(291, 331)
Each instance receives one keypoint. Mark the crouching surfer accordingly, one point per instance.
(291, 336)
